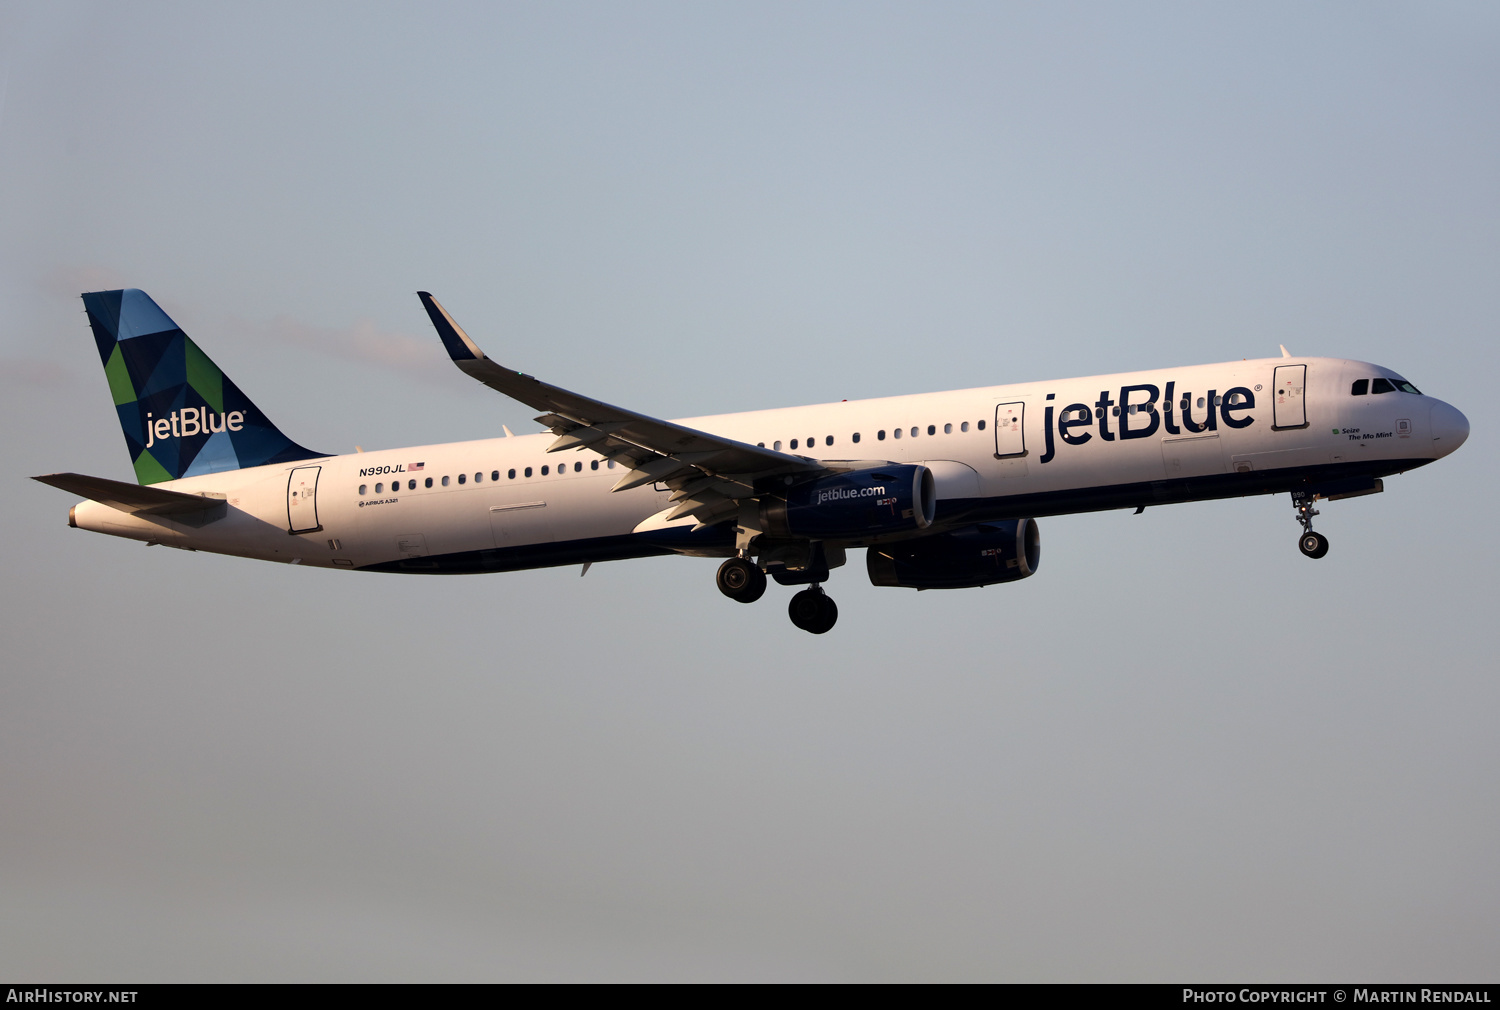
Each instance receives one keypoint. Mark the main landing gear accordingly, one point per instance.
(1314, 545)
(742, 580)
(812, 610)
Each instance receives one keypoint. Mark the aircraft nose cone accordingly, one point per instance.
(1449, 428)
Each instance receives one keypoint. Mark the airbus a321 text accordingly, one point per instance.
(941, 489)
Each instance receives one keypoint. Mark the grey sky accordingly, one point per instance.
(1181, 751)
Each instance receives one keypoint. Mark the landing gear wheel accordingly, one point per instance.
(811, 610)
(741, 580)
(1314, 545)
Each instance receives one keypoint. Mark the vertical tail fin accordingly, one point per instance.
(181, 415)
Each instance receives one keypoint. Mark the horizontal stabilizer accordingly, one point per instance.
(136, 499)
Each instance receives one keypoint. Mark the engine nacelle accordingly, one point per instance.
(899, 498)
(979, 555)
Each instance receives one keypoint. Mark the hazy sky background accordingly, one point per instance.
(1181, 752)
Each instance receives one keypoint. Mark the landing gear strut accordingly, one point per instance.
(741, 580)
(1314, 545)
(812, 610)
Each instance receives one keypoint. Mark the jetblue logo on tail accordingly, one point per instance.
(180, 414)
(191, 421)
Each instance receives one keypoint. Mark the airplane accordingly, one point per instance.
(942, 490)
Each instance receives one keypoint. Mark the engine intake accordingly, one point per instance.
(979, 555)
(899, 498)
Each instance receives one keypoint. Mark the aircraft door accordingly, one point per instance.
(1010, 430)
(302, 500)
(1290, 410)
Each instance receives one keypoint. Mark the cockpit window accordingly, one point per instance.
(1360, 387)
(1383, 386)
(1406, 387)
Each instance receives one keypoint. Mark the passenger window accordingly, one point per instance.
(380, 488)
(828, 440)
(856, 437)
(812, 441)
(411, 485)
(578, 467)
(1115, 411)
(776, 445)
(1382, 386)
(528, 471)
(610, 464)
(947, 429)
(463, 478)
(964, 426)
(932, 429)
(981, 425)
(1200, 401)
(510, 475)
(794, 443)
(759, 445)
(362, 488)
(445, 481)
(544, 471)
(593, 464)
(427, 482)
(897, 432)
(914, 432)
(880, 435)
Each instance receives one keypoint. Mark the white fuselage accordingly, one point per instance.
(997, 451)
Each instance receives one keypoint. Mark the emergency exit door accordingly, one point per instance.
(302, 500)
(1290, 404)
(1010, 430)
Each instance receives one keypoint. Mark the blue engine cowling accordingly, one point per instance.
(980, 555)
(900, 498)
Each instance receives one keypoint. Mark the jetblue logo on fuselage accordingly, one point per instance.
(190, 421)
(1073, 422)
(826, 495)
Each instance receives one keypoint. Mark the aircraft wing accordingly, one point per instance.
(708, 474)
(136, 499)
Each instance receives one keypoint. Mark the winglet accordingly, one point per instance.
(1284, 352)
(460, 347)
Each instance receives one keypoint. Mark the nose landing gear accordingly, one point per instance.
(1314, 545)
(812, 610)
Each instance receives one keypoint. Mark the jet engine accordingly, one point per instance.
(899, 498)
(979, 555)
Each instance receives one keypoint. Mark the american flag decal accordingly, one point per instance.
(415, 466)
